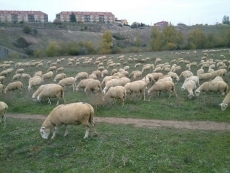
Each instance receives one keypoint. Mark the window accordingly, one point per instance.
(87, 18)
(14, 17)
(45, 18)
(31, 18)
(101, 18)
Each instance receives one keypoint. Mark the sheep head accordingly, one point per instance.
(44, 132)
(223, 106)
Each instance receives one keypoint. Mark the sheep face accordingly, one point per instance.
(223, 106)
(44, 132)
(197, 92)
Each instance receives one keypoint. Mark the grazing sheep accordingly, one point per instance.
(50, 91)
(115, 82)
(34, 81)
(93, 85)
(82, 84)
(138, 86)
(3, 109)
(60, 69)
(2, 78)
(38, 73)
(16, 76)
(163, 86)
(25, 75)
(116, 92)
(69, 114)
(206, 76)
(106, 79)
(185, 74)
(190, 86)
(52, 68)
(14, 86)
(225, 102)
(82, 75)
(20, 70)
(174, 76)
(194, 78)
(156, 76)
(67, 82)
(217, 86)
(47, 75)
(59, 77)
(136, 74)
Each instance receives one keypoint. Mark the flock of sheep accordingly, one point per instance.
(113, 77)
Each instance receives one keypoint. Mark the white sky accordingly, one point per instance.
(189, 12)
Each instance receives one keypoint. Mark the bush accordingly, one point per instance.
(26, 29)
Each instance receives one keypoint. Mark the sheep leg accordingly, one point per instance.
(94, 128)
(66, 130)
(54, 132)
(86, 131)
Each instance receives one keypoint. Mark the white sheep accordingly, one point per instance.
(67, 82)
(59, 77)
(14, 86)
(190, 86)
(38, 73)
(93, 85)
(217, 86)
(47, 75)
(82, 84)
(52, 68)
(20, 70)
(163, 86)
(138, 86)
(81, 75)
(116, 92)
(16, 76)
(106, 79)
(34, 81)
(25, 75)
(68, 114)
(115, 82)
(174, 76)
(50, 91)
(3, 109)
(194, 78)
(60, 69)
(225, 102)
(206, 76)
(2, 78)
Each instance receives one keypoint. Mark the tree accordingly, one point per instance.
(72, 18)
(26, 29)
(198, 38)
(35, 31)
(52, 49)
(106, 43)
(155, 39)
(226, 20)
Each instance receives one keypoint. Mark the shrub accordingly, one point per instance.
(26, 29)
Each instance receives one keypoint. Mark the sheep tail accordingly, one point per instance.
(91, 121)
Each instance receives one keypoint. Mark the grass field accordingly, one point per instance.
(118, 148)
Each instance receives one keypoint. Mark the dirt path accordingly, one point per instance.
(193, 125)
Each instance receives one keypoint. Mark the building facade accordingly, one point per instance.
(162, 23)
(23, 16)
(86, 17)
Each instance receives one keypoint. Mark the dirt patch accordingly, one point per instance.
(192, 125)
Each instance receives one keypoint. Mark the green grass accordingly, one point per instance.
(117, 148)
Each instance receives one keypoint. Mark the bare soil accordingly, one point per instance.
(145, 123)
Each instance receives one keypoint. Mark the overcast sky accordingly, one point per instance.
(189, 12)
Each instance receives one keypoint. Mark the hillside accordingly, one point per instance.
(12, 36)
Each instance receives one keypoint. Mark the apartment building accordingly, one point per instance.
(25, 16)
(86, 17)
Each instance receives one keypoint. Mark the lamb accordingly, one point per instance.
(162, 86)
(34, 81)
(225, 102)
(82, 75)
(190, 86)
(115, 82)
(93, 85)
(50, 91)
(67, 82)
(59, 77)
(47, 75)
(69, 114)
(117, 92)
(14, 86)
(217, 86)
(138, 86)
(3, 109)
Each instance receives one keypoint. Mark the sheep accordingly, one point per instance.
(38, 73)
(16, 76)
(194, 78)
(115, 82)
(117, 92)
(174, 76)
(34, 81)
(190, 86)
(60, 69)
(13, 86)
(93, 85)
(2, 78)
(3, 109)
(185, 74)
(162, 86)
(136, 74)
(138, 86)
(49, 91)
(47, 75)
(25, 75)
(20, 70)
(206, 76)
(67, 82)
(106, 79)
(81, 75)
(59, 77)
(82, 84)
(52, 68)
(156, 76)
(217, 86)
(69, 114)
(225, 102)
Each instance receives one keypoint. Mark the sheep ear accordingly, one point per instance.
(43, 128)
